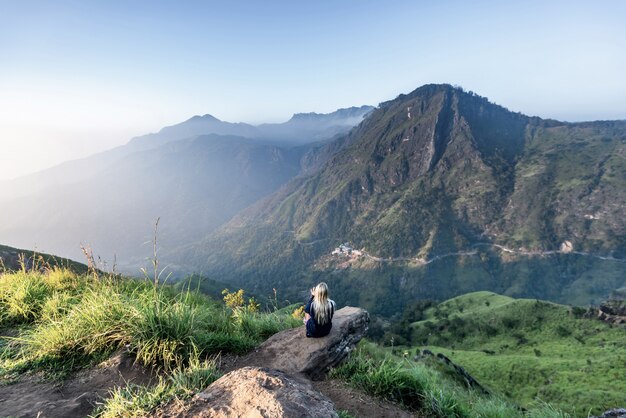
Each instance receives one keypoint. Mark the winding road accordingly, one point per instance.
(423, 261)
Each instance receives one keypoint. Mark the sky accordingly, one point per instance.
(79, 77)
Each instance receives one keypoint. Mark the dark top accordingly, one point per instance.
(313, 329)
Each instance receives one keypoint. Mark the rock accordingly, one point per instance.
(291, 352)
(256, 392)
(272, 381)
(614, 413)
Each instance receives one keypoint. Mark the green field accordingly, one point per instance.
(530, 349)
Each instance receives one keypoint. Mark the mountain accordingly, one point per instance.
(193, 185)
(310, 127)
(315, 127)
(446, 193)
(197, 125)
(13, 259)
(194, 175)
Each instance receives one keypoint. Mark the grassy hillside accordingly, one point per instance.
(530, 349)
(56, 322)
(14, 258)
(429, 388)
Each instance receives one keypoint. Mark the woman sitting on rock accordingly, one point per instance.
(318, 313)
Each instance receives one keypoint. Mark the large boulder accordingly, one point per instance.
(255, 392)
(292, 352)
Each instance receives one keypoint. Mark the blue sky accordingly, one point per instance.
(78, 77)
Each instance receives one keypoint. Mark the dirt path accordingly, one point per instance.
(358, 403)
(75, 397)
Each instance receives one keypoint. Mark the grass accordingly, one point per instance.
(421, 387)
(57, 321)
(72, 319)
(137, 401)
(530, 350)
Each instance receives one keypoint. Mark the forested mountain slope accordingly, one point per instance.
(532, 206)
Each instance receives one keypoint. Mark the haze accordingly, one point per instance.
(81, 77)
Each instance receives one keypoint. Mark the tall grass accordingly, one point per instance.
(23, 294)
(73, 320)
(383, 379)
(60, 322)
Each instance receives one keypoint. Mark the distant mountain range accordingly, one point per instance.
(194, 175)
(435, 193)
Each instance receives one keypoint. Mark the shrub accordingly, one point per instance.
(134, 400)
(563, 331)
(197, 376)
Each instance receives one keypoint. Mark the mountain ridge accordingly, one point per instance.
(433, 172)
(192, 177)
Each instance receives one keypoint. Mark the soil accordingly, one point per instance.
(358, 403)
(31, 396)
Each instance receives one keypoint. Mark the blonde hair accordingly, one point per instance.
(322, 306)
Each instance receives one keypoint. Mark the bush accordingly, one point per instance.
(98, 323)
(22, 296)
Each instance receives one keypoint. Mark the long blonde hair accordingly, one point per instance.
(322, 306)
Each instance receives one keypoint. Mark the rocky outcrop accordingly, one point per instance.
(614, 413)
(613, 311)
(291, 352)
(256, 392)
(273, 381)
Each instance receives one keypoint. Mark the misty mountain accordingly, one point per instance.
(300, 129)
(192, 178)
(509, 203)
(310, 127)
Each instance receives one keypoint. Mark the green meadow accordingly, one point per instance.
(530, 350)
